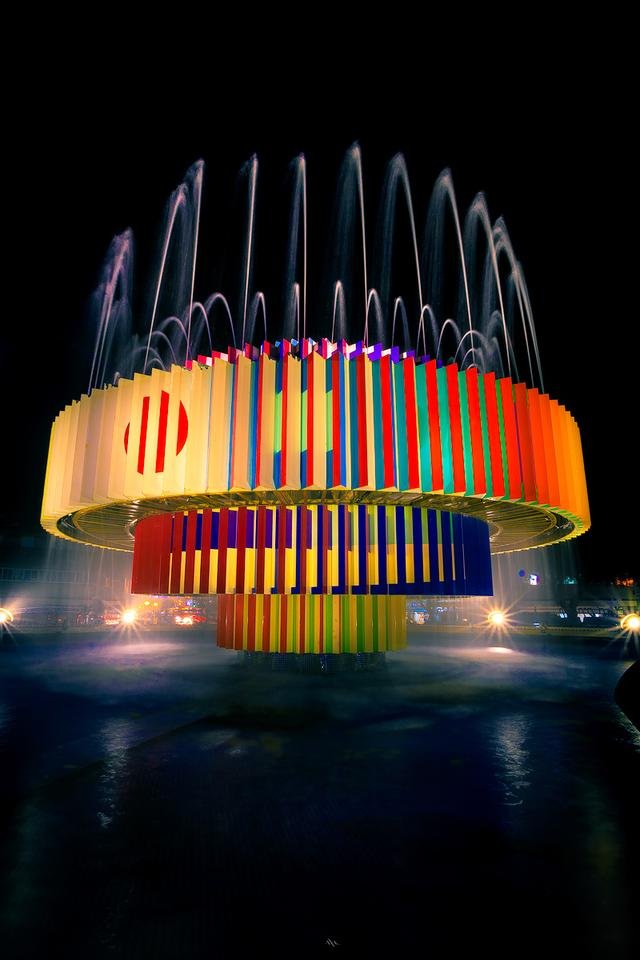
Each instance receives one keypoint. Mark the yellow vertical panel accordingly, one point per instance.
(352, 556)
(79, 452)
(232, 569)
(213, 571)
(312, 553)
(51, 498)
(132, 479)
(259, 615)
(220, 423)
(241, 415)
(372, 553)
(292, 414)
(109, 444)
(72, 431)
(334, 552)
(291, 553)
(392, 548)
(195, 478)
(92, 442)
(152, 482)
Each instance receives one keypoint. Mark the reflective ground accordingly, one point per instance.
(162, 798)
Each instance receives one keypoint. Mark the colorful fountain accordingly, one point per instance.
(313, 485)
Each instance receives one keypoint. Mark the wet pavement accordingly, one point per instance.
(162, 798)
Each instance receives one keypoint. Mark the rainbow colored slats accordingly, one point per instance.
(311, 624)
(335, 549)
(308, 416)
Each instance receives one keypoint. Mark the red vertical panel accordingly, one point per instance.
(165, 553)
(475, 425)
(223, 528)
(361, 392)
(205, 551)
(434, 425)
(262, 534)
(143, 433)
(176, 552)
(283, 428)
(493, 426)
(251, 621)
(537, 441)
(413, 453)
(455, 423)
(511, 438)
(139, 548)
(309, 364)
(162, 430)
(282, 545)
(266, 622)
(241, 548)
(261, 363)
(560, 449)
(524, 442)
(388, 445)
(335, 412)
(238, 607)
(190, 554)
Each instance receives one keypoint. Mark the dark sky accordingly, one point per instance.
(550, 149)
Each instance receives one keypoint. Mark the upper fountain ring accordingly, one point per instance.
(306, 422)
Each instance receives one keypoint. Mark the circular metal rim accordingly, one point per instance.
(513, 526)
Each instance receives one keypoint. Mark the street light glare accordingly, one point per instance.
(497, 618)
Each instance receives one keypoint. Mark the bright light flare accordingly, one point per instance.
(631, 622)
(186, 621)
(500, 650)
(497, 618)
(5, 615)
(128, 617)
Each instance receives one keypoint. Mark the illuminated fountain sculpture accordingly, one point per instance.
(314, 485)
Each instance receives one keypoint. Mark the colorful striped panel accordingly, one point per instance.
(320, 549)
(296, 417)
(312, 624)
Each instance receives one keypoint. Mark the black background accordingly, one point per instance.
(98, 138)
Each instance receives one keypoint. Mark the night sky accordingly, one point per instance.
(553, 158)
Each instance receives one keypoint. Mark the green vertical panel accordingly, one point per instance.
(485, 435)
(377, 423)
(503, 442)
(445, 430)
(360, 613)
(375, 626)
(401, 425)
(466, 432)
(426, 476)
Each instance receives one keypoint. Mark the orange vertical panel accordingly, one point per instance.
(524, 442)
(549, 450)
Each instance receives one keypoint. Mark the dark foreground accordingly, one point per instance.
(162, 799)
